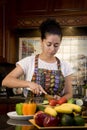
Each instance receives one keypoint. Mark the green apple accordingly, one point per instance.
(19, 108)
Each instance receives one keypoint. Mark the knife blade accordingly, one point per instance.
(48, 97)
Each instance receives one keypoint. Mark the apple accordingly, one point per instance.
(51, 121)
(39, 117)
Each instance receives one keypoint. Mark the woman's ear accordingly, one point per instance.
(41, 42)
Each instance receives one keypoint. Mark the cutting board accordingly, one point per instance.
(57, 127)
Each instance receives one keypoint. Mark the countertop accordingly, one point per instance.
(13, 99)
(10, 124)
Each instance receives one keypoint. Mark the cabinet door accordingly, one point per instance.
(1, 41)
(3, 108)
(11, 107)
(2, 32)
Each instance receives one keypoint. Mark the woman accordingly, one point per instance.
(44, 73)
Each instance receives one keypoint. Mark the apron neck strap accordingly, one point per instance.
(36, 61)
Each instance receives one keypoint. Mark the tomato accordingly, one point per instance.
(62, 100)
(53, 102)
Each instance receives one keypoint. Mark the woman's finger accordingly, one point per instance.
(56, 97)
(42, 90)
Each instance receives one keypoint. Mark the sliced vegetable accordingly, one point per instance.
(62, 100)
(45, 102)
(52, 102)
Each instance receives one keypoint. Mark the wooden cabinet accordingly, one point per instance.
(7, 38)
(8, 104)
(11, 107)
(29, 14)
(1, 34)
(3, 108)
(26, 14)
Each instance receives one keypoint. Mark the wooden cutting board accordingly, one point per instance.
(57, 127)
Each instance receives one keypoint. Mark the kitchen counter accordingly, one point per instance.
(8, 104)
(13, 99)
(9, 124)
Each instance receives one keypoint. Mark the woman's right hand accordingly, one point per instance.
(36, 88)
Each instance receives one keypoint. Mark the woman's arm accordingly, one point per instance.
(12, 81)
(68, 87)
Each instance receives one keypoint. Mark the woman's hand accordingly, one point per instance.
(36, 88)
(57, 97)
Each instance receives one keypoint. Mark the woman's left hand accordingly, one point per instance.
(57, 97)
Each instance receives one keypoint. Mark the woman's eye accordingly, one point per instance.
(48, 44)
(55, 45)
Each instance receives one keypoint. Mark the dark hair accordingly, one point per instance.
(50, 26)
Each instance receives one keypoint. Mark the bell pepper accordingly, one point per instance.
(19, 108)
(29, 108)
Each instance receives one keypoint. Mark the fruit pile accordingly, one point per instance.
(63, 114)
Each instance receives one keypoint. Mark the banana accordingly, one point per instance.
(74, 107)
(51, 111)
(65, 109)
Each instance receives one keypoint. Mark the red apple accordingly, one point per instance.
(51, 121)
(39, 117)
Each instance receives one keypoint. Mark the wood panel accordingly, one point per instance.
(3, 108)
(34, 22)
(69, 7)
(1, 46)
(72, 5)
(25, 7)
(26, 14)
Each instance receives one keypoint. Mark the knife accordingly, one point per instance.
(48, 97)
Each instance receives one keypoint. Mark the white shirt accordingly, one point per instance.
(27, 65)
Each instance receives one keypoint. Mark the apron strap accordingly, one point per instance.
(36, 61)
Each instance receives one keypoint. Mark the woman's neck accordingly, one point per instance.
(49, 59)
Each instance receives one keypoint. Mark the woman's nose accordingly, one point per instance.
(52, 48)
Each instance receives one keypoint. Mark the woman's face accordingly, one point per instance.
(51, 44)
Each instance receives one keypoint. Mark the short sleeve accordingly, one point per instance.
(27, 64)
(66, 68)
